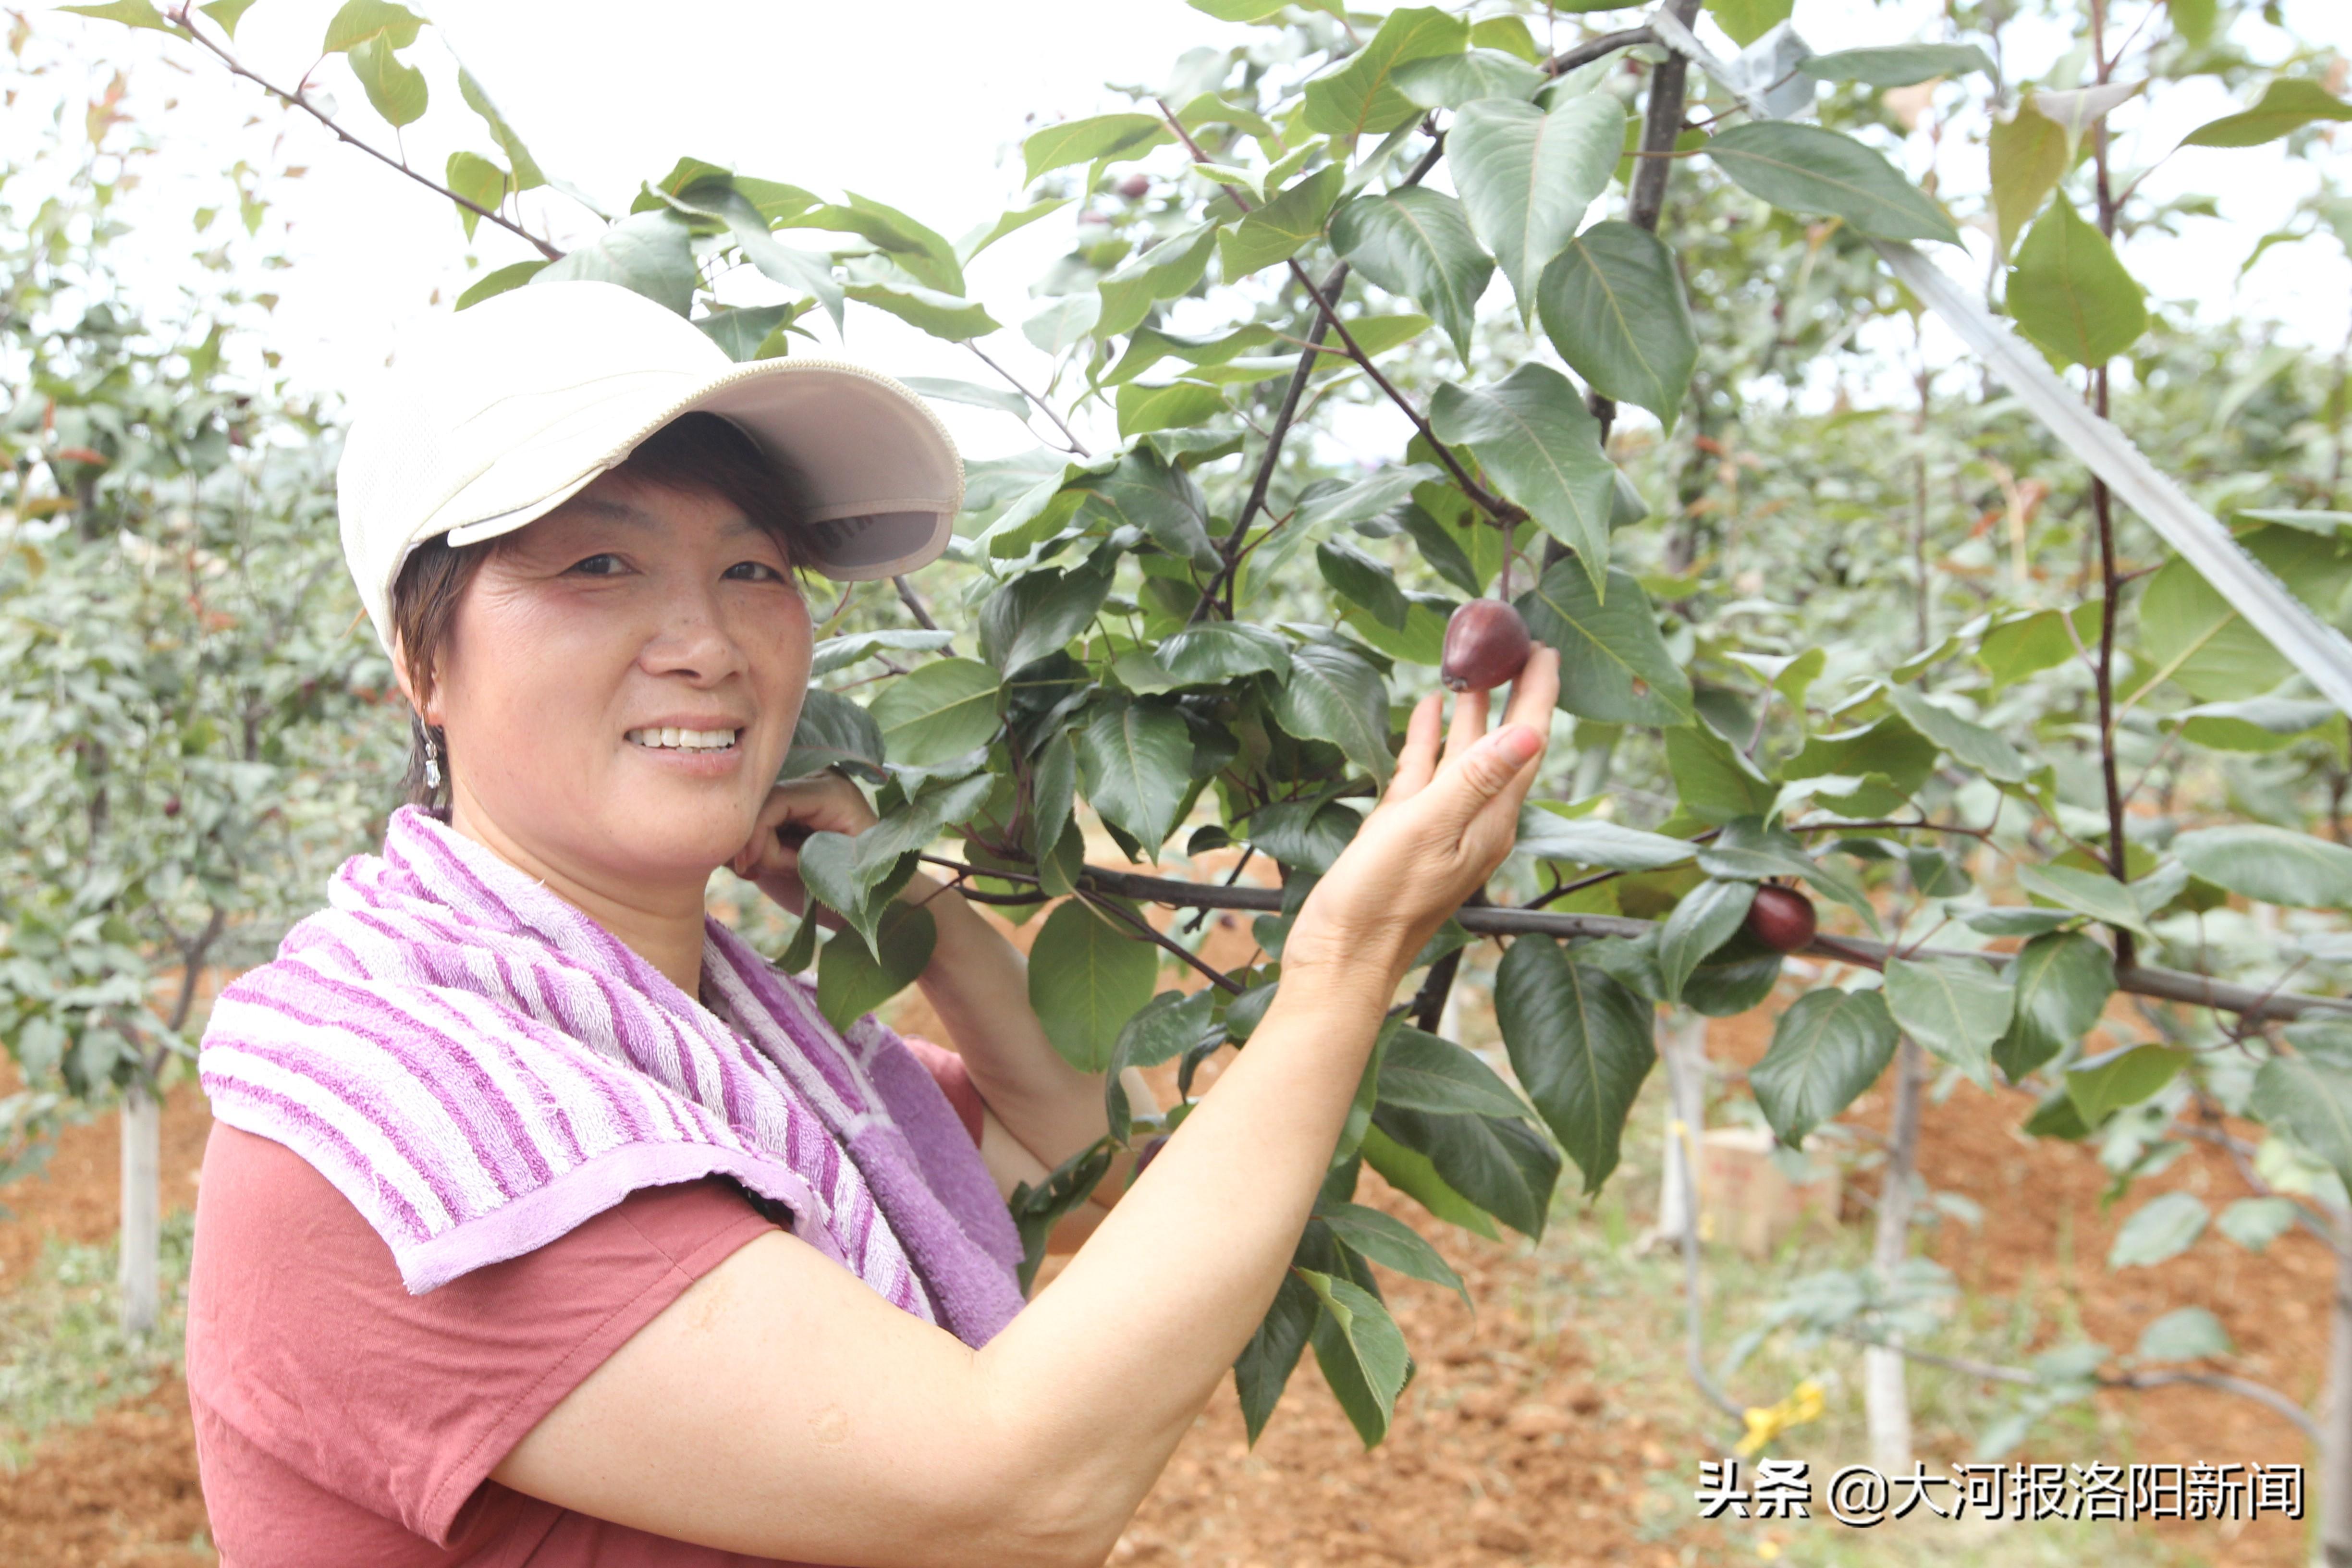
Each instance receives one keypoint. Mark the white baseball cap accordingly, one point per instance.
(506, 410)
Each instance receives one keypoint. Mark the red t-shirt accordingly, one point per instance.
(340, 1420)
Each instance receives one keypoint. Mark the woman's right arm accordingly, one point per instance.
(782, 1408)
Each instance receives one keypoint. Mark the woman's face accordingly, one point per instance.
(620, 685)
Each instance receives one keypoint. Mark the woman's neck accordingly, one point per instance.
(660, 923)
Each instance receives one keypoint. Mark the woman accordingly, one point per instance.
(541, 1222)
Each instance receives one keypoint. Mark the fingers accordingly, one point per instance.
(1536, 691)
(1469, 723)
(1417, 763)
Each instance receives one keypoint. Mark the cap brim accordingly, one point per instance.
(878, 479)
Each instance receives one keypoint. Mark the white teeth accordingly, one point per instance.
(672, 739)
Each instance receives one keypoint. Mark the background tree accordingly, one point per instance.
(194, 737)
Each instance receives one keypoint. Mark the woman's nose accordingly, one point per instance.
(691, 639)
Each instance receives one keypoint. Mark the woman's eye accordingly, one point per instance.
(601, 565)
(753, 571)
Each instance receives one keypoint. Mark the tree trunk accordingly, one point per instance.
(139, 1276)
(2335, 1479)
(1682, 1041)
(1886, 1400)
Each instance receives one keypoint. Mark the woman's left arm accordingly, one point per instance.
(977, 983)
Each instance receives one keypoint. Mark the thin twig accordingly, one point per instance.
(1217, 976)
(296, 101)
(1042, 406)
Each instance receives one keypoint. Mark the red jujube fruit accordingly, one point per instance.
(1781, 918)
(1485, 645)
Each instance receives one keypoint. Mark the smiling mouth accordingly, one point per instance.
(684, 740)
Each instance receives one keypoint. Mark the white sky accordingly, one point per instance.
(921, 104)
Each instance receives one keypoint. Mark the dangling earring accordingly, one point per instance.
(431, 761)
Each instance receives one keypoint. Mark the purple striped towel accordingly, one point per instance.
(478, 1068)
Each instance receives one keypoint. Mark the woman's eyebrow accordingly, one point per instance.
(622, 512)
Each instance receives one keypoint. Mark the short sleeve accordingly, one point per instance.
(326, 1383)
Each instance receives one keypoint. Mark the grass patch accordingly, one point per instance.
(63, 1354)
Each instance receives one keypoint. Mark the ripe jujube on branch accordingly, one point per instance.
(1487, 644)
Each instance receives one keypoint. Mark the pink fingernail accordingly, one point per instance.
(1519, 743)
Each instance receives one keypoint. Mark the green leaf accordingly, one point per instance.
(1707, 917)
(648, 252)
(1508, 35)
(1450, 81)
(2269, 865)
(1147, 346)
(1141, 489)
(2030, 154)
(2092, 893)
(1360, 1352)
(1501, 1164)
(2063, 981)
(1414, 1174)
(942, 315)
(514, 275)
(1541, 447)
(1526, 177)
(527, 175)
(2255, 1223)
(1359, 578)
(1087, 979)
(1134, 762)
(798, 270)
(1827, 1048)
(2284, 106)
(1361, 95)
(1586, 841)
(1422, 1072)
(2069, 293)
(1011, 221)
(1277, 231)
(1143, 408)
(2309, 1099)
(2026, 644)
(940, 710)
(1613, 306)
(2104, 1085)
(1162, 271)
(1114, 138)
(226, 15)
(1748, 20)
(480, 181)
(130, 12)
(1417, 244)
(1715, 784)
(1970, 743)
(1334, 695)
(370, 21)
(2163, 1227)
(1263, 1367)
(2189, 634)
(1614, 664)
(394, 87)
(2193, 19)
(1391, 1243)
(1165, 1027)
(1037, 612)
(1903, 64)
(1036, 1211)
(1580, 1044)
(1955, 1008)
(1369, 498)
(833, 732)
(2185, 1333)
(851, 982)
(1220, 650)
(1805, 169)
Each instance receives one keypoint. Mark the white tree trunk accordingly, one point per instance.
(139, 1277)
(1681, 1042)
(1886, 1400)
(2335, 1479)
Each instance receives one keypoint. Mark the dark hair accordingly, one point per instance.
(696, 453)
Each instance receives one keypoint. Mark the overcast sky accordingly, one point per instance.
(920, 103)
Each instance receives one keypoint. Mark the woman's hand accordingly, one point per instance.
(823, 803)
(1439, 833)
